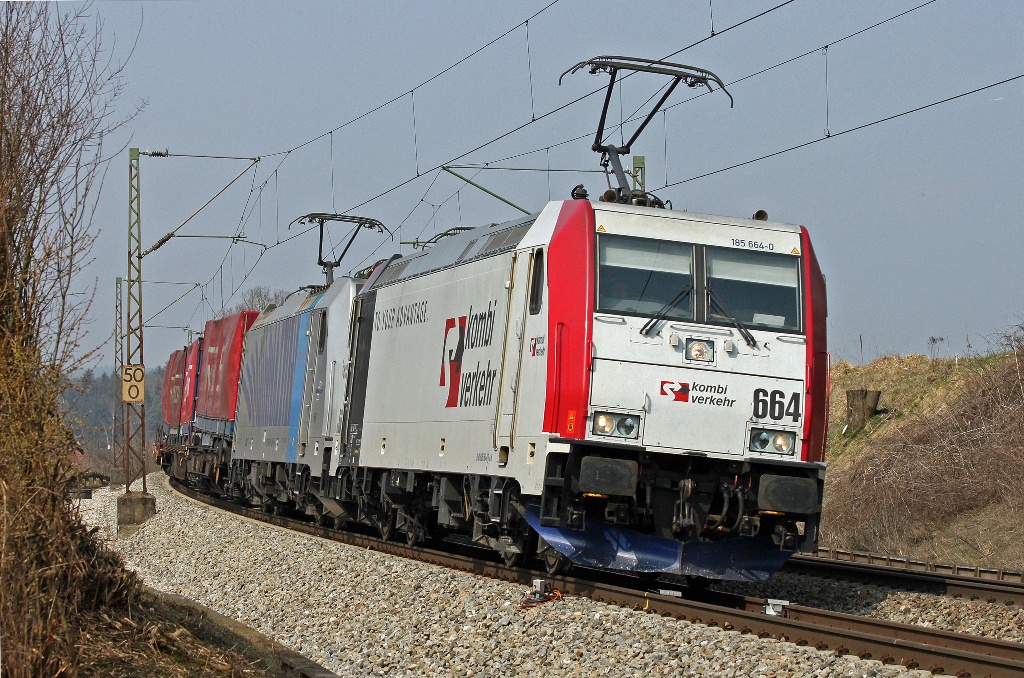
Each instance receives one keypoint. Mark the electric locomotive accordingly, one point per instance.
(607, 383)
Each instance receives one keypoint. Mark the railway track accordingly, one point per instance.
(913, 647)
(998, 587)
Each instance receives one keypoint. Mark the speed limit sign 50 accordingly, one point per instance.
(133, 383)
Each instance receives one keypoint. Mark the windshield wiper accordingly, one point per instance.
(660, 315)
(744, 332)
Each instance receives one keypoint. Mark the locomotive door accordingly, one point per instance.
(312, 391)
(512, 353)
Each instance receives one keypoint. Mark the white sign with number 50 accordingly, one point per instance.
(133, 383)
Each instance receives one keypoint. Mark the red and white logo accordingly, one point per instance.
(680, 391)
(472, 387)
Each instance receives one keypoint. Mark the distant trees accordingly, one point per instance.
(89, 403)
(58, 91)
(256, 299)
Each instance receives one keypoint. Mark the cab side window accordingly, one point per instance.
(537, 283)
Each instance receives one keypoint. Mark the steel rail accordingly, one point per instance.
(900, 562)
(890, 642)
(938, 579)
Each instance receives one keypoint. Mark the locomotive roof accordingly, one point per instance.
(492, 239)
(461, 247)
(695, 216)
(304, 299)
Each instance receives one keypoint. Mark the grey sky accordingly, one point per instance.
(915, 221)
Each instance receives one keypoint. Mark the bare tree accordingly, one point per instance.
(58, 90)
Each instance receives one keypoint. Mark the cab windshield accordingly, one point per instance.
(641, 276)
(759, 289)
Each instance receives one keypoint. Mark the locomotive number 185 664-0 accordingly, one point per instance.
(753, 244)
(776, 405)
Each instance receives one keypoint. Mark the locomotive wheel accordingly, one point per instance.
(386, 525)
(554, 562)
(412, 537)
(517, 529)
(513, 559)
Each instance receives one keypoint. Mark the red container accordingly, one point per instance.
(174, 377)
(190, 381)
(221, 363)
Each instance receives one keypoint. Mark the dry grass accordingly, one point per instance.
(155, 640)
(68, 606)
(52, 568)
(938, 476)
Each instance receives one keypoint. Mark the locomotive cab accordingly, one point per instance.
(687, 408)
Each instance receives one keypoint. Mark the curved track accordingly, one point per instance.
(889, 642)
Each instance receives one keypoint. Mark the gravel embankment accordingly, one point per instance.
(360, 612)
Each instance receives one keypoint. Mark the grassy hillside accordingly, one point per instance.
(938, 474)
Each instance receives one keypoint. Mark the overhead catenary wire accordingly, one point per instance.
(425, 82)
(749, 76)
(168, 154)
(285, 154)
(527, 169)
(834, 135)
(180, 297)
(529, 71)
(538, 118)
(534, 118)
(846, 131)
(500, 136)
(415, 137)
(159, 243)
(825, 52)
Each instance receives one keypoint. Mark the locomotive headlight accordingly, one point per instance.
(783, 442)
(604, 424)
(772, 442)
(626, 426)
(616, 424)
(700, 349)
(759, 440)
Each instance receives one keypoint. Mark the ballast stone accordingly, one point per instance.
(364, 613)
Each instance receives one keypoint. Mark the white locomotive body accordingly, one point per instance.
(602, 384)
(611, 384)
